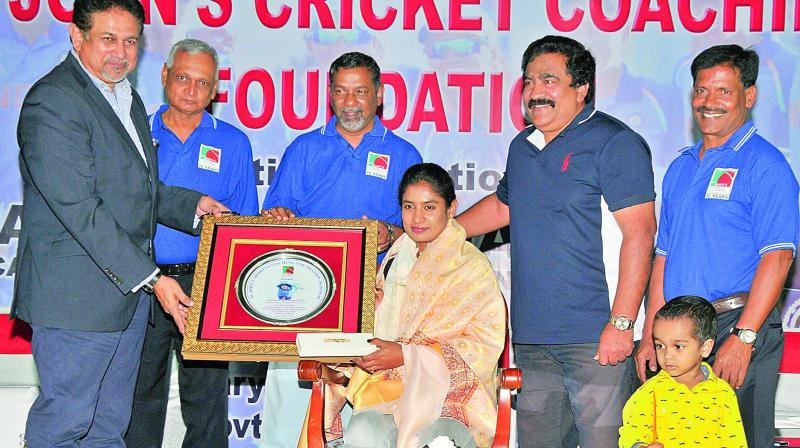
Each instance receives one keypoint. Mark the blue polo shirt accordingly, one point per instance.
(721, 213)
(216, 160)
(559, 293)
(322, 176)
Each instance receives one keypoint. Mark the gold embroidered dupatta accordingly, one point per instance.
(452, 327)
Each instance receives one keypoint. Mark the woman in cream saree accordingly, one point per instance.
(440, 327)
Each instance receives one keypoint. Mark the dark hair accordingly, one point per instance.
(698, 310)
(356, 60)
(433, 174)
(746, 61)
(84, 9)
(580, 62)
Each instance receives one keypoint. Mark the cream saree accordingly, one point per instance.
(446, 310)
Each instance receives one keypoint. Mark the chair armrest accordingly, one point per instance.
(511, 378)
(309, 370)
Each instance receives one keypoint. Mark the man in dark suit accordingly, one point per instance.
(91, 201)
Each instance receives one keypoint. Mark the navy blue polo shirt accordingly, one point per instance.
(559, 293)
(721, 213)
(216, 160)
(322, 176)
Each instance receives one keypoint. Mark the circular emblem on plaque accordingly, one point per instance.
(285, 287)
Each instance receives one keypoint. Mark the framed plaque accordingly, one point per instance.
(260, 282)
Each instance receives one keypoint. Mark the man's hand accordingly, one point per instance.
(655, 445)
(207, 204)
(614, 347)
(173, 300)
(645, 357)
(385, 239)
(279, 213)
(732, 360)
(388, 356)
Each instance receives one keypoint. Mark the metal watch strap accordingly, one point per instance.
(150, 286)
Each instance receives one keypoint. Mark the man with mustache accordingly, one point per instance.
(91, 202)
(199, 151)
(571, 337)
(729, 233)
(349, 168)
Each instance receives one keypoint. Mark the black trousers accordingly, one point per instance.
(757, 395)
(203, 389)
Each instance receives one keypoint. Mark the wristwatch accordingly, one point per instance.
(149, 287)
(747, 335)
(621, 323)
(390, 233)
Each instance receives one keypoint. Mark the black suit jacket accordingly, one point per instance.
(90, 206)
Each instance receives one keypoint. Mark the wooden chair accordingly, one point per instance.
(510, 379)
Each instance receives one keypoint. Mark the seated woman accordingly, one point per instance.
(440, 327)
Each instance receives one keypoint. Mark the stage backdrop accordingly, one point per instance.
(452, 75)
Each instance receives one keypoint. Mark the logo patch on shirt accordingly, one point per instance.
(209, 158)
(721, 183)
(377, 165)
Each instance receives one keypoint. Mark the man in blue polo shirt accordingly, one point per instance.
(572, 341)
(729, 232)
(198, 151)
(349, 168)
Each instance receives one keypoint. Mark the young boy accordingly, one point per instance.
(685, 404)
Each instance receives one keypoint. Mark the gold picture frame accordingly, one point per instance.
(222, 326)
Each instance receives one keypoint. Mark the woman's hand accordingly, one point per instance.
(388, 356)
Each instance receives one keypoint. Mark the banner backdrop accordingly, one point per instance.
(451, 70)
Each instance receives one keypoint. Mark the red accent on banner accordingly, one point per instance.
(412, 7)
(208, 19)
(224, 74)
(429, 87)
(21, 13)
(272, 21)
(496, 103)
(503, 15)
(323, 14)
(660, 14)
(778, 15)
(561, 23)
(346, 15)
(603, 22)
(514, 100)
(263, 78)
(690, 23)
(372, 20)
(756, 14)
(465, 83)
(290, 117)
(15, 336)
(459, 22)
(166, 9)
(61, 13)
(791, 352)
(398, 84)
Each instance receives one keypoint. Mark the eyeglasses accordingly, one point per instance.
(462, 46)
(326, 36)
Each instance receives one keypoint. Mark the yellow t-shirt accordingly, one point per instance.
(707, 415)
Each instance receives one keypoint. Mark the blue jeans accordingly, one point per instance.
(568, 398)
(86, 384)
(756, 397)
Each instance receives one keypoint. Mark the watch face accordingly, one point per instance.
(747, 336)
(622, 323)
